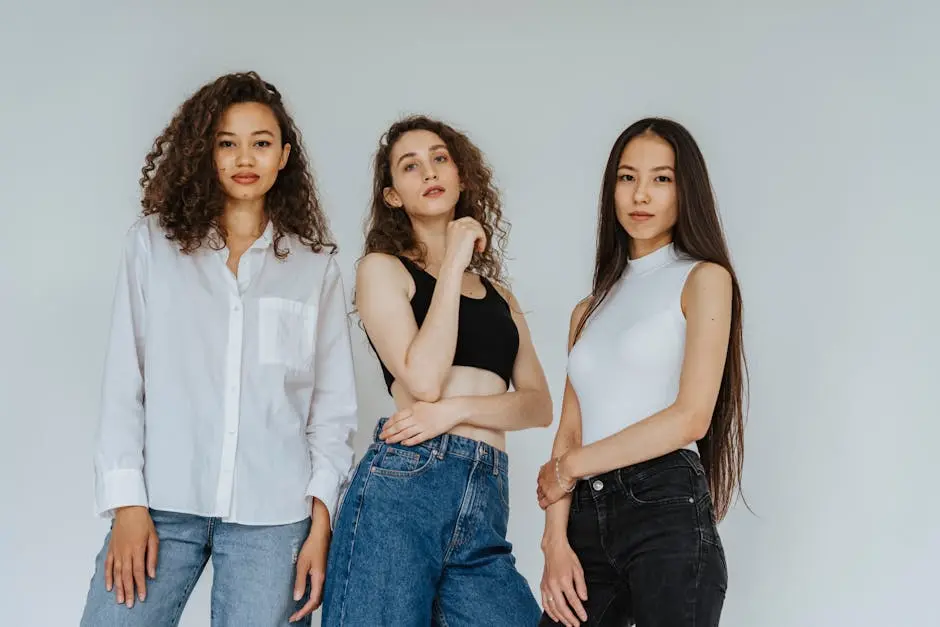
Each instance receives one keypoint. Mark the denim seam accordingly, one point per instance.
(359, 503)
(699, 563)
(465, 503)
(187, 591)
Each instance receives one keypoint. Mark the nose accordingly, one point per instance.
(430, 173)
(640, 195)
(245, 157)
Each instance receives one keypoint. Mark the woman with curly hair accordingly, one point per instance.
(228, 399)
(421, 536)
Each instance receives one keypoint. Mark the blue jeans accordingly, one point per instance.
(420, 540)
(253, 582)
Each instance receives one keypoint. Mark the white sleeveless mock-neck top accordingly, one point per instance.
(626, 365)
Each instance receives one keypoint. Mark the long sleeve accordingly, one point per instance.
(333, 419)
(119, 455)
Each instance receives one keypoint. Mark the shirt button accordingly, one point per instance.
(598, 485)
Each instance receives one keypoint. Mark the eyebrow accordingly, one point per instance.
(414, 154)
(658, 168)
(262, 132)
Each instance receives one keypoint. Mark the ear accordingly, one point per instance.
(285, 153)
(392, 199)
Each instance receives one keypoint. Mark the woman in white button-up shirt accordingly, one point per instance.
(229, 399)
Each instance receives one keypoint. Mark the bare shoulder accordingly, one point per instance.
(381, 269)
(709, 276)
(380, 266)
(579, 310)
(709, 287)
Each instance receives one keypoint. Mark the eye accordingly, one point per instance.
(662, 178)
(263, 143)
(225, 143)
(626, 178)
(409, 167)
(441, 158)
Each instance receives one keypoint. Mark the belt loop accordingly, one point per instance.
(443, 449)
(495, 462)
(378, 429)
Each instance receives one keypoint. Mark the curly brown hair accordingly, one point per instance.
(390, 231)
(180, 183)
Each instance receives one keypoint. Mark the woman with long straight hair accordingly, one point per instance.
(649, 447)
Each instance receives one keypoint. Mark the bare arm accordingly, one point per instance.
(568, 437)
(420, 359)
(528, 405)
(707, 307)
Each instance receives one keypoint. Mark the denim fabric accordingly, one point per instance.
(420, 540)
(253, 583)
(648, 545)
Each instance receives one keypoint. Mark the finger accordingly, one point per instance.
(139, 578)
(408, 432)
(119, 580)
(548, 607)
(392, 428)
(300, 580)
(314, 602)
(561, 606)
(573, 601)
(127, 576)
(153, 549)
(108, 576)
(579, 584)
(424, 436)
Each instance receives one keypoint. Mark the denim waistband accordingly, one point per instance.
(459, 446)
(613, 480)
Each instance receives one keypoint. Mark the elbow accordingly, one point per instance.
(424, 388)
(696, 423)
(543, 410)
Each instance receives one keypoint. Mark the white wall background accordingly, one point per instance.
(818, 123)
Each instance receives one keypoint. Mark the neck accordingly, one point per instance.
(432, 232)
(244, 218)
(643, 247)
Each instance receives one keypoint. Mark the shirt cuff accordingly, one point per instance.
(325, 485)
(120, 488)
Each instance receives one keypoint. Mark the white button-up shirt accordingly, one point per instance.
(225, 397)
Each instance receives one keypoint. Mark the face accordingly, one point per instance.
(425, 181)
(248, 151)
(645, 196)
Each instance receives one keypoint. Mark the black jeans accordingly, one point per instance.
(648, 545)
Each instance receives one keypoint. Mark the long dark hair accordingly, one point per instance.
(699, 235)
(181, 186)
(389, 229)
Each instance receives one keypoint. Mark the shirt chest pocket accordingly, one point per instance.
(287, 333)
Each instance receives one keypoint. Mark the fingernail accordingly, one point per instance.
(297, 596)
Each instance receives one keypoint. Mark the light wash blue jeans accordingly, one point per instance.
(253, 584)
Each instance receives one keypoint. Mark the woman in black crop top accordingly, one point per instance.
(421, 535)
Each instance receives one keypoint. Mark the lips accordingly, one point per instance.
(640, 216)
(245, 178)
(433, 192)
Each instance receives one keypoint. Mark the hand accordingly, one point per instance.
(563, 587)
(464, 237)
(133, 546)
(549, 489)
(311, 562)
(419, 423)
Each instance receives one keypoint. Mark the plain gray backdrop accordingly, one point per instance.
(818, 123)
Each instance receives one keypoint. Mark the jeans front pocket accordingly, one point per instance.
(669, 485)
(393, 460)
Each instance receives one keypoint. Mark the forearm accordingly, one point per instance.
(663, 432)
(431, 352)
(510, 411)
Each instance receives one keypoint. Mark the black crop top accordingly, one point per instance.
(487, 337)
